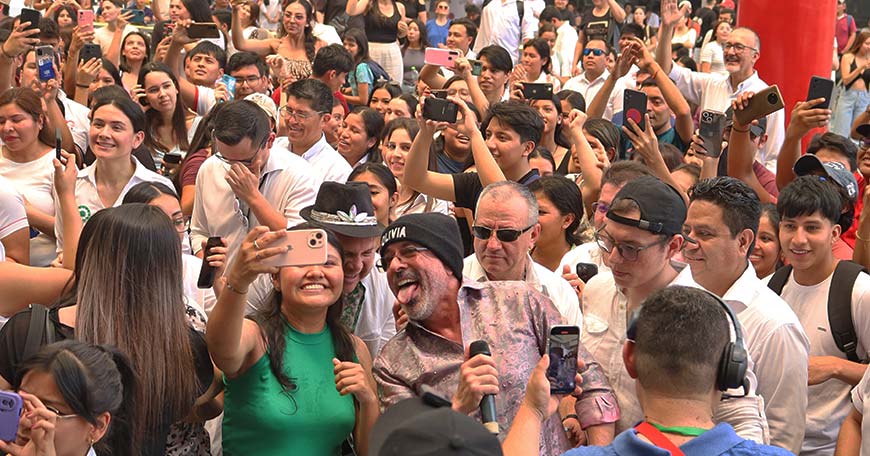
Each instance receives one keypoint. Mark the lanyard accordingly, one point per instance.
(657, 438)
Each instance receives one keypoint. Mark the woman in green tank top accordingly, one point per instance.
(297, 382)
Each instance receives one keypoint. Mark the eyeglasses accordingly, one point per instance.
(864, 143)
(600, 207)
(181, 224)
(738, 47)
(250, 80)
(405, 254)
(298, 115)
(60, 416)
(503, 235)
(230, 161)
(626, 251)
(595, 52)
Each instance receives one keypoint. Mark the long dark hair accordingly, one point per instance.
(566, 196)
(380, 171)
(154, 119)
(374, 123)
(424, 36)
(271, 322)
(123, 65)
(92, 379)
(362, 43)
(310, 40)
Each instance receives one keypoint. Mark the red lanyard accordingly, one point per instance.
(657, 438)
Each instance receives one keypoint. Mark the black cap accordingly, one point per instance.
(437, 232)
(418, 427)
(662, 208)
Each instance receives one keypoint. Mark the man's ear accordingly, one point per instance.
(745, 238)
(628, 358)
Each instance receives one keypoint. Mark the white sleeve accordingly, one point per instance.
(483, 34)
(205, 100)
(301, 193)
(746, 415)
(690, 83)
(861, 313)
(707, 54)
(13, 217)
(530, 21)
(775, 136)
(199, 230)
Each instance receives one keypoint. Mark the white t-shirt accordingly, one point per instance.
(35, 181)
(103, 36)
(328, 163)
(584, 253)
(13, 217)
(689, 35)
(713, 54)
(2, 253)
(828, 403)
(861, 402)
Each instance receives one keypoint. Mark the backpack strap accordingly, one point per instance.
(840, 308)
(780, 277)
(40, 328)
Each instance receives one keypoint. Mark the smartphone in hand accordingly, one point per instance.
(821, 88)
(563, 347)
(86, 20)
(441, 57)
(45, 63)
(440, 110)
(761, 104)
(634, 107)
(207, 272)
(710, 130)
(537, 91)
(303, 248)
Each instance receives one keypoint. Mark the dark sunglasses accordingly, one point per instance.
(595, 52)
(503, 235)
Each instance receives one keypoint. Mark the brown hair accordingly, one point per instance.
(28, 101)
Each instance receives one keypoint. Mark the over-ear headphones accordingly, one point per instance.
(734, 361)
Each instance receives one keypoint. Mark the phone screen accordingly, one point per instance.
(564, 342)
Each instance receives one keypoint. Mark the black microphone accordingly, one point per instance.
(487, 404)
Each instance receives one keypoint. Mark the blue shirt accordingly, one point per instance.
(721, 440)
(437, 34)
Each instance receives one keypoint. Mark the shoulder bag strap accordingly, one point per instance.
(657, 438)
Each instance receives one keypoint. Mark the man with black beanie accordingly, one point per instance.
(422, 256)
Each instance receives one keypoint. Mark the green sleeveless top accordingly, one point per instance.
(313, 420)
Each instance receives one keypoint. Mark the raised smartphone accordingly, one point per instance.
(304, 247)
(29, 15)
(710, 130)
(442, 57)
(440, 110)
(86, 20)
(564, 342)
(821, 88)
(230, 82)
(537, 91)
(202, 30)
(476, 67)
(207, 272)
(586, 271)
(90, 51)
(761, 104)
(138, 16)
(10, 412)
(634, 107)
(45, 62)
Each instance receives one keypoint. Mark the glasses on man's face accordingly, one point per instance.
(250, 80)
(442, 7)
(247, 161)
(595, 52)
(628, 252)
(738, 47)
(504, 235)
(181, 224)
(405, 254)
(600, 207)
(864, 143)
(299, 116)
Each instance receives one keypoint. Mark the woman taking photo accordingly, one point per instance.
(535, 64)
(135, 52)
(249, 15)
(358, 139)
(88, 388)
(295, 44)
(170, 124)
(26, 161)
(560, 210)
(292, 360)
(713, 55)
(384, 27)
(413, 53)
(119, 298)
(855, 95)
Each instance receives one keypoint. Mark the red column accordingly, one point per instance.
(797, 39)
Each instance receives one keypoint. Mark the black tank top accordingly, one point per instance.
(865, 75)
(382, 29)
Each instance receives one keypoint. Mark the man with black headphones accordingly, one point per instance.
(680, 350)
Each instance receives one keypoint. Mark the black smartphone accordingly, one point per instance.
(440, 110)
(90, 51)
(821, 88)
(57, 144)
(440, 93)
(586, 271)
(29, 15)
(207, 272)
(476, 67)
(564, 342)
(634, 107)
(710, 130)
(537, 91)
(172, 159)
(202, 30)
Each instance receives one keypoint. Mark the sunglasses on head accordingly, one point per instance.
(503, 235)
(595, 52)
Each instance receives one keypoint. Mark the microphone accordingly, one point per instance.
(487, 404)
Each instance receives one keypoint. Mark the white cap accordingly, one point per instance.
(266, 104)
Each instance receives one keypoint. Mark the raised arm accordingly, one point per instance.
(19, 41)
(589, 168)
(741, 152)
(463, 68)
(598, 105)
(356, 7)
(64, 188)
(429, 75)
(417, 174)
(173, 61)
(803, 118)
(487, 168)
(617, 11)
(675, 100)
(259, 47)
(647, 145)
(670, 16)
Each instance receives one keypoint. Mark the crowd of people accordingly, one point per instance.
(261, 227)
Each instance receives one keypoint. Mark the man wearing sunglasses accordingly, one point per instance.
(639, 237)
(505, 230)
(595, 72)
(243, 185)
(422, 256)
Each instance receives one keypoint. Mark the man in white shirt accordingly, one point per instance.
(566, 38)
(237, 189)
(594, 73)
(715, 91)
(723, 219)
(505, 228)
(642, 233)
(809, 210)
(308, 108)
(500, 26)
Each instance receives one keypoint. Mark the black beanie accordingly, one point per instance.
(437, 232)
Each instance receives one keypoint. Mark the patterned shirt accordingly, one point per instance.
(515, 320)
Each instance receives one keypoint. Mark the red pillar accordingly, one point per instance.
(796, 42)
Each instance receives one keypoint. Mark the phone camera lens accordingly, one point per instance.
(312, 242)
(772, 98)
(319, 235)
